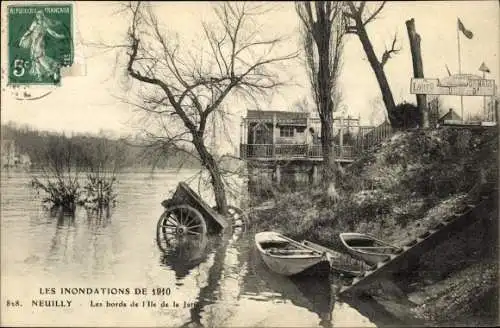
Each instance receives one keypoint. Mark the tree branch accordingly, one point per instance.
(387, 53)
(374, 14)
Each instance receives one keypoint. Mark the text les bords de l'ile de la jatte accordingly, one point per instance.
(46, 300)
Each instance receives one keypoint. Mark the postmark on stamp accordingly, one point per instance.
(40, 40)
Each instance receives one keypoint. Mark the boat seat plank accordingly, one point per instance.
(374, 247)
(290, 252)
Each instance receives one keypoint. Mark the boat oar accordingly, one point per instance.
(299, 244)
(332, 253)
(318, 247)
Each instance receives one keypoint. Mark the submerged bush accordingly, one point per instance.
(98, 192)
(60, 193)
(67, 161)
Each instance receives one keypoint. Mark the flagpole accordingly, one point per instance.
(459, 59)
(460, 71)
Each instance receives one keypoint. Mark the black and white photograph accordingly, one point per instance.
(249, 163)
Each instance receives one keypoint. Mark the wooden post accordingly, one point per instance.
(253, 134)
(245, 131)
(242, 131)
(278, 174)
(274, 135)
(418, 70)
(341, 136)
(496, 111)
(313, 177)
(241, 140)
(348, 124)
(308, 137)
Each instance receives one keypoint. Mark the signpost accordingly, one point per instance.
(454, 87)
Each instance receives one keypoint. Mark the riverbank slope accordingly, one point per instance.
(399, 190)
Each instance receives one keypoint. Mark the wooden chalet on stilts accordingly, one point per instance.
(282, 139)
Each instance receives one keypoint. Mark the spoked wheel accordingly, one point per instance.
(239, 220)
(179, 223)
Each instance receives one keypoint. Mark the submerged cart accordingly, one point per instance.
(188, 216)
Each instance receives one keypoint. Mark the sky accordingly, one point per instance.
(92, 102)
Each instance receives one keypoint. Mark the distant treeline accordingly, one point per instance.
(87, 149)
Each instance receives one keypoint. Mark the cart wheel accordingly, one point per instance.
(179, 223)
(239, 220)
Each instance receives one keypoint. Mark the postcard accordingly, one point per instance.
(249, 164)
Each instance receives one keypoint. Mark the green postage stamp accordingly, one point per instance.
(40, 42)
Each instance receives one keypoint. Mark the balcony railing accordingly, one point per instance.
(293, 151)
(346, 149)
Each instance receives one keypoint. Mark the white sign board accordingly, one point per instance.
(461, 87)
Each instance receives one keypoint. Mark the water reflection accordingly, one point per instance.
(80, 245)
(310, 292)
(63, 235)
(319, 295)
(205, 297)
(237, 273)
(185, 254)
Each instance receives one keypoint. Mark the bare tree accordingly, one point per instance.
(180, 90)
(418, 70)
(301, 105)
(356, 19)
(322, 35)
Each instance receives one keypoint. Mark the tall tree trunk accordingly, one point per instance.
(418, 70)
(213, 168)
(218, 185)
(323, 33)
(325, 105)
(378, 70)
(328, 149)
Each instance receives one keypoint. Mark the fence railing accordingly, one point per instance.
(293, 151)
(351, 146)
(348, 147)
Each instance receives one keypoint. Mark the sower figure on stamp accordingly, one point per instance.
(34, 39)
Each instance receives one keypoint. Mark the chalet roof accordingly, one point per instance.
(451, 115)
(279, 114)
(282, 117)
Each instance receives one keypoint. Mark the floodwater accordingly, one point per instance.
(113, 273)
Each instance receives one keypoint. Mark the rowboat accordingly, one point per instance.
(287, 256)
(366, 247)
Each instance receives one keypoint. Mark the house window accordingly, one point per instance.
(286, 131)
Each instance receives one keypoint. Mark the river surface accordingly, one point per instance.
(223, 283)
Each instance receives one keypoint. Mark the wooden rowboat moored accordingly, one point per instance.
(367, 248)
(287, 256)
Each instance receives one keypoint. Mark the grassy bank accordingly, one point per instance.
(399, 190)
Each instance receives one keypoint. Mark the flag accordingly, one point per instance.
(465, 31)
